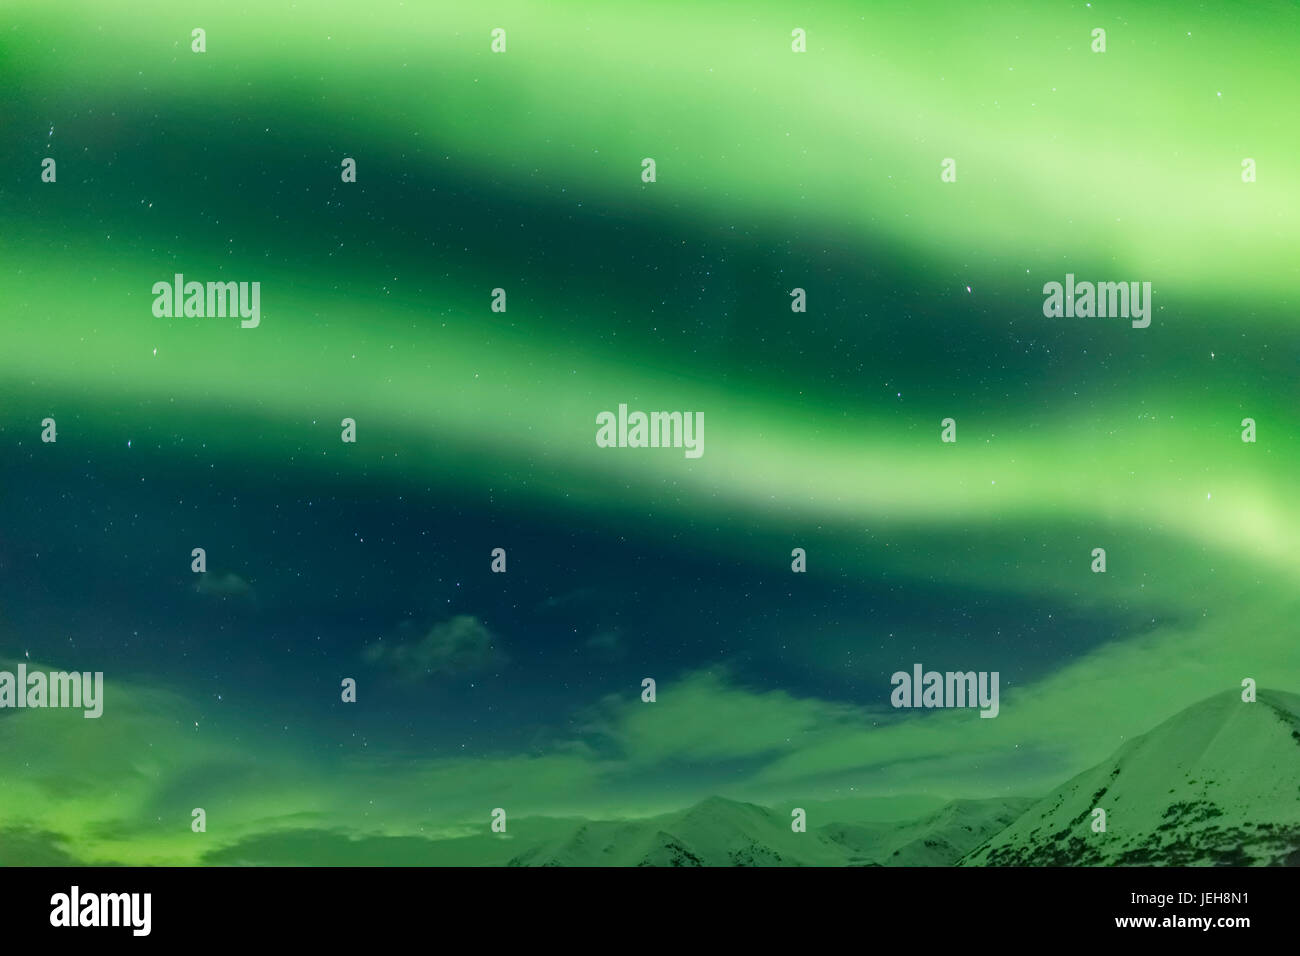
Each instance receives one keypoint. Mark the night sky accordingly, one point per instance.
(476, 429)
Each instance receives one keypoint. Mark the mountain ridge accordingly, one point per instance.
(1218, 783)
(722, 832)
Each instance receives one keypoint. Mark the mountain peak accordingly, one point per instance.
(1219, 782)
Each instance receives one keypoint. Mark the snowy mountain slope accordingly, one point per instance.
(716, 832)
(943, 837)
(1218, 783)
(721, 832)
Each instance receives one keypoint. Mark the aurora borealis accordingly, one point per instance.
(476, 429)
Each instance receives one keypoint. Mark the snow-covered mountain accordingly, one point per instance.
(1218, 783)
(716, 832)
(721, 832)
(937, 839)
